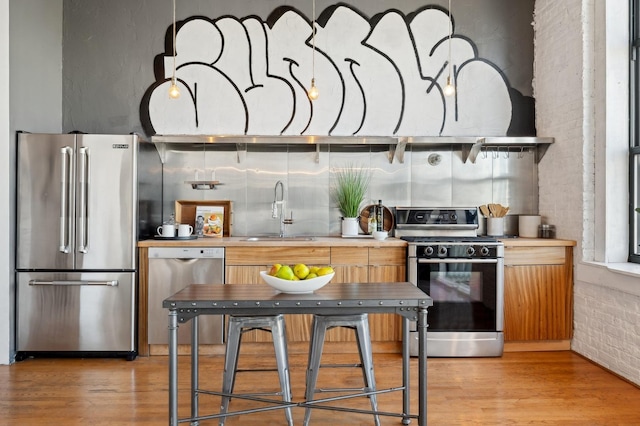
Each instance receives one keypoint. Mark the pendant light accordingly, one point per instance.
(449, 88)
(313, 90)
(174, 92)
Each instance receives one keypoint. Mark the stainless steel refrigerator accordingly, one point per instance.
(83, 201)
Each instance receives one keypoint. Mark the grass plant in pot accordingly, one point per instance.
(351, 184)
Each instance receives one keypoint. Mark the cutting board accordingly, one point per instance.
(368, 211)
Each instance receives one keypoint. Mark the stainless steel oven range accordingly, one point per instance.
(464, 275)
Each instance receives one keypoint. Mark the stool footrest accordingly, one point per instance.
(246, 395)
(318, 390)
(340, 365)
(248, 370)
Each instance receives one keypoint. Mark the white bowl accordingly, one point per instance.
(296, 287)
(380, 235)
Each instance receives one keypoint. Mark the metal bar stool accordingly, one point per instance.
(360, 324)
(241, 324)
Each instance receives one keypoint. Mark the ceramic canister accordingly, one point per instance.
(528, 226)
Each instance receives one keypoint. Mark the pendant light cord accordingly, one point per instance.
(173, 78)
(313, 41)
(450, 32)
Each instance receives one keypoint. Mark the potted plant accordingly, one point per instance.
(351, 184)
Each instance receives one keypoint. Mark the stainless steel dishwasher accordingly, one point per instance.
(170, 270)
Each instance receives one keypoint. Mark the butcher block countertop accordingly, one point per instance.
(328, 242)
(275, 242)
(536, 242)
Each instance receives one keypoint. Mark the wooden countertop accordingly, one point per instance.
(331, 242)
(275, 242)
(536, 242)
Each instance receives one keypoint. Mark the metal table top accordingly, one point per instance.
(402, 298)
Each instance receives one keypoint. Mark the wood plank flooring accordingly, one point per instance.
(519, 388)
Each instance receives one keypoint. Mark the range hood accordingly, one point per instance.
(470, 146)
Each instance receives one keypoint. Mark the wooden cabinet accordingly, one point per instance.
(538, 297)
(538, 288)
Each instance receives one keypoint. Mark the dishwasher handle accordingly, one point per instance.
(108, 283)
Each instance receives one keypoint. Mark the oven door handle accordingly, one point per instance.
(440, 260)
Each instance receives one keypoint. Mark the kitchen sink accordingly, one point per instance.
(277, 238)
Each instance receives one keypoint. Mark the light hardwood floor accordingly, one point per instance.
(519, 388)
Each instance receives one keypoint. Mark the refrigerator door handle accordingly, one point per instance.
(84, 188)
(108, 283)
(65, 180)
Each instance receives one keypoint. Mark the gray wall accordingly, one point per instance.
(110, 46)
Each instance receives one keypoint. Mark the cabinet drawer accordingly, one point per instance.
(534, 255)
(349, 256)
(387, 256)
(271, 255)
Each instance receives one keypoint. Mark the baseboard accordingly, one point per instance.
(538, 346)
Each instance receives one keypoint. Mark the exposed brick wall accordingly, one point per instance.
(605, 320)
(607, 329)
(558, 90)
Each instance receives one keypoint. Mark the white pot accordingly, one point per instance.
(350, 226)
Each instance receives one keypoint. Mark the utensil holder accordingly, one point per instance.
(495, 226)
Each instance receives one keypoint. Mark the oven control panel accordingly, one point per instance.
(418, 216)
(456, 251)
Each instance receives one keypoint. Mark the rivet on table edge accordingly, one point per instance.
(381, 303)
(257, 303)
(339, 303)
(360, 302)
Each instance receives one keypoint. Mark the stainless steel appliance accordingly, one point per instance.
(79, 215)
(463, 274)
(170, 270)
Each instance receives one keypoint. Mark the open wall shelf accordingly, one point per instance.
(471, 146)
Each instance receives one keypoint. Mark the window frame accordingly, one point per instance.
(634, 131)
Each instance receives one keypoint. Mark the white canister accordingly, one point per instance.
(495, 226)
(350, 226)
(528, 226)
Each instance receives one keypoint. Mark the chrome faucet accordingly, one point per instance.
(278, 201)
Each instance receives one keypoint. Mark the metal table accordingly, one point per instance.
(401, 298)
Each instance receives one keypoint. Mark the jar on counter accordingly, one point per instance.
(547, 231)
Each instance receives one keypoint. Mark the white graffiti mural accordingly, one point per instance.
(377, 77)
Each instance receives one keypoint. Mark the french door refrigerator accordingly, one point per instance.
(83, 200)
